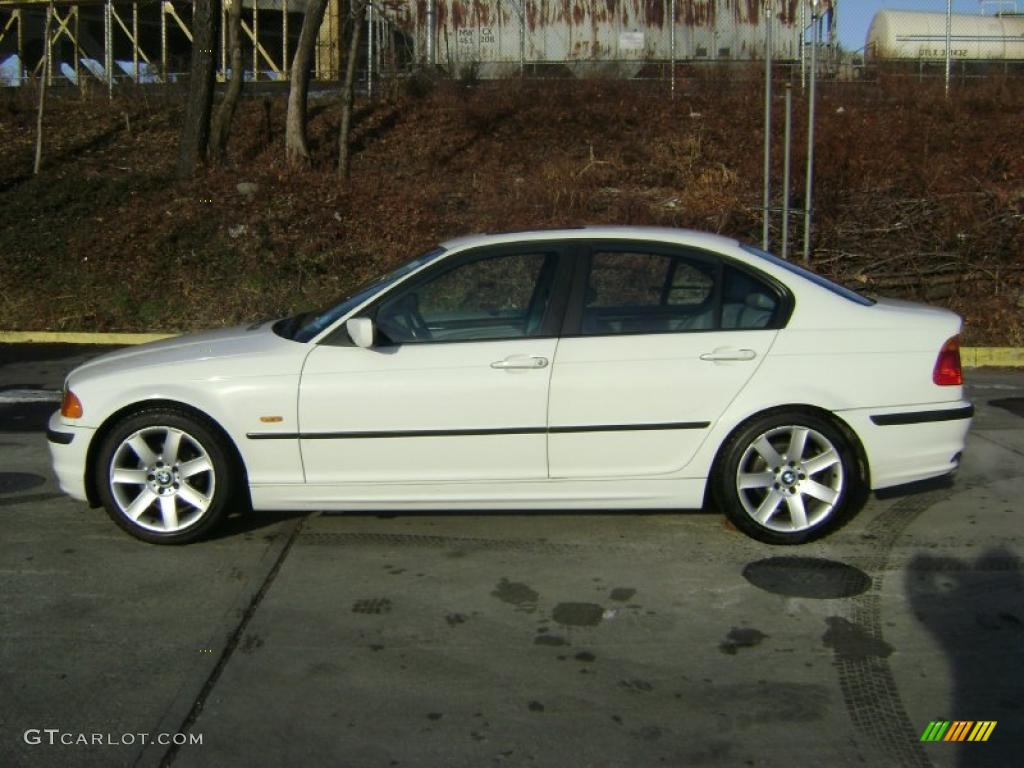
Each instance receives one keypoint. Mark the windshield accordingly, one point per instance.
(817, 279)
(305, 326)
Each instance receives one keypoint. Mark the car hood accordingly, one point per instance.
(220, 344)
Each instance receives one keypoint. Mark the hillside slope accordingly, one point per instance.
(916, 196)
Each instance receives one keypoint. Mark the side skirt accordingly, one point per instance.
(540, 494)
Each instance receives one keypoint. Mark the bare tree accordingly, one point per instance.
(295, 142)
(220, 130)
(47, 65)
(195, 131)
(358, 14)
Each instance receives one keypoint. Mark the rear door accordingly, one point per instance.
(658, 341)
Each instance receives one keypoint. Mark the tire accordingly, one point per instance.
(161, 498)
(787, 477)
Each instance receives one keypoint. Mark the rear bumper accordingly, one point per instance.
(69, 446)
(908, 444)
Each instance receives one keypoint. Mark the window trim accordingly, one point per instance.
(572, 326)
(562, 251)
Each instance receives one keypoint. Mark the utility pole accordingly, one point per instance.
(766, 229)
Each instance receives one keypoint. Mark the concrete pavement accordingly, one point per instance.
(515, 639)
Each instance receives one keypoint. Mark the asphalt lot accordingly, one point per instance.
(511, 639)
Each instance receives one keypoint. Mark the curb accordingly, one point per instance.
(1001, 357)
(59, 337)
(970, 357)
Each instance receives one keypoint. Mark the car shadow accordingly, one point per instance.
(974, 611)
(239, 523)
(945, 482)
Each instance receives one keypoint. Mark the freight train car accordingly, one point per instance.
(920, 36)
(497, 35)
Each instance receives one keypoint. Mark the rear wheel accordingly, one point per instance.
(787, 477)
(164, 476)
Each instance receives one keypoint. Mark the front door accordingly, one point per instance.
(456, 387)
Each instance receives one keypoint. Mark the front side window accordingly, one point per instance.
(636, 292)
(304, 327)
(497, 297)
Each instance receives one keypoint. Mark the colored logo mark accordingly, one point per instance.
(958, 730)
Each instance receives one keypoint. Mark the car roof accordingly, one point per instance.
(660, 234)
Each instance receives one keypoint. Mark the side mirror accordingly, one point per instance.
(361, 331)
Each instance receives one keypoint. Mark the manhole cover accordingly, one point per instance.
(807, 577)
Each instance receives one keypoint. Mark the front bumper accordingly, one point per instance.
(908, 444)
(69, 448)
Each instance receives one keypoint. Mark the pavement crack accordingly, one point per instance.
(232, 644)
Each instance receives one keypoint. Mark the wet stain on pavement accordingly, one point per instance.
(622, 594)
(741, 637)
(811, 577)
(578, 614)
(636, 686)
(851, 643)
(14, 482)
(552, 640)
(516, 593)
(251, 644)
(648, 733)
(372, 605)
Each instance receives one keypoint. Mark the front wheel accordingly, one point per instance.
(787, 478)
(164, 476)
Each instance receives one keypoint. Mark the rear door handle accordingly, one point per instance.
(725, 353)
(520, 361)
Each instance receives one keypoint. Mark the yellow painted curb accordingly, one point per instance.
(58, 337)
(1002, 357)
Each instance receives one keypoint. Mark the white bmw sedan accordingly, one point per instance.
(589, 368)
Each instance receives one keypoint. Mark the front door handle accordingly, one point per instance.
(520, 361)
(726, 353)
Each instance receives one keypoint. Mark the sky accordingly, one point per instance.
(855, 15)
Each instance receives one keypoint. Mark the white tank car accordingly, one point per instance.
(920, 35)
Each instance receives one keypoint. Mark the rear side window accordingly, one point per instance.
(747, 303)
(824, 282)
(637, 292)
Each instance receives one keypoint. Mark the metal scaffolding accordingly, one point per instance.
(116, 41)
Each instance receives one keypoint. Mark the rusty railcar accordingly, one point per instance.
(493, 35)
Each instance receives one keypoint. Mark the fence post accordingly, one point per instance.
(949, 43)
(809, 202)
(766, 228)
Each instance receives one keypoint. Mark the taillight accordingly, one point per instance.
(947, 367)
(71, 407)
